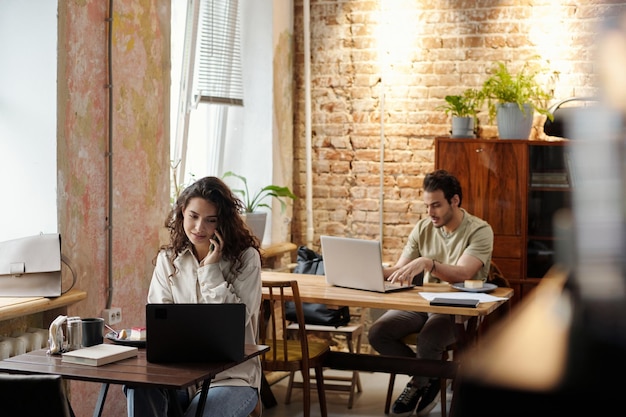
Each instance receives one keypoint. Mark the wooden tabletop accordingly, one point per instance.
(314, 289)
(132, 371)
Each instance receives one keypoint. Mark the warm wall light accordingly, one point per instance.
(551, 37)
(396, 34)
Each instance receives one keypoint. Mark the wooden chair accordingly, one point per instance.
(34, 396)
(289, 354)
(353, 334)
(496, 277)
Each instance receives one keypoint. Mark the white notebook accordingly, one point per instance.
(99, 354)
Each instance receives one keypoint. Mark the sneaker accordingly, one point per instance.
(407, 401)
(430, 396)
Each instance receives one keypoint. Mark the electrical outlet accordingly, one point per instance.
(112, 315)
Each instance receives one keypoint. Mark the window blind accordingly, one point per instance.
(218, 77)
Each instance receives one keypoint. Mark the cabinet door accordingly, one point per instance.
(493, 176)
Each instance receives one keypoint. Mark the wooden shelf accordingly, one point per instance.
(276, 249)
(12, 307)
(273, 252)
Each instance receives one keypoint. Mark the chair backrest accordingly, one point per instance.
(312, 263)
(496, 277)
(273, 329)
(33, 396)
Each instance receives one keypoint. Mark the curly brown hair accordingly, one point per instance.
(236, 235)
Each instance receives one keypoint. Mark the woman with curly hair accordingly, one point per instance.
(212, 257)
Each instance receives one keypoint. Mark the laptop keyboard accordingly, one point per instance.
(390, 286)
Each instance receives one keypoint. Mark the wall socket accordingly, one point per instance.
(112, 315)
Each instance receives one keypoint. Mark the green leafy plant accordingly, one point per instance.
(466, 105)
(256, 200)
(523, 88)
(178, 187)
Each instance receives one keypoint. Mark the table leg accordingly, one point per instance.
(69, 405)
(203, 395)
(104, 389)
(173, 403)
(467, 332)
(267, 396)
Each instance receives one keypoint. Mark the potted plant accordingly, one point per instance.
(513, 99)
(463, 109)
(253, 201)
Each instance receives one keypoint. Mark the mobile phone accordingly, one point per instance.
(212, 247)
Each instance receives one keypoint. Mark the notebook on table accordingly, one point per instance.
(101, 354)
(356, 263)
(195, 332)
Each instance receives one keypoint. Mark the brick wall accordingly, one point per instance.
(400, 58)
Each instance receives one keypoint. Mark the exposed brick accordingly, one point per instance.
(448, 47)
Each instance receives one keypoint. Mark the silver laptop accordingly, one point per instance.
(355, 263)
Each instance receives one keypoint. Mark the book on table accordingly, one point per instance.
(99, 354)
(454, 302)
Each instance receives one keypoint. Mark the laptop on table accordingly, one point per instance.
(195, 332)
(356, 263)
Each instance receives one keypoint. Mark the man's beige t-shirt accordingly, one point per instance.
(474, 236)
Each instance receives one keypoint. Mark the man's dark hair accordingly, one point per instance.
(444, 181)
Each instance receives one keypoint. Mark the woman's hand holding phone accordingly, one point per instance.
(215, 250)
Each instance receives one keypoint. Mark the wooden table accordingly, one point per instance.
(133, 371)
(314, 289)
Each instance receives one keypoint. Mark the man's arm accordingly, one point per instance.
(405, 269)
(466, 268)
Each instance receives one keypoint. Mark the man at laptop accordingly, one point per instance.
(212, 257)
(448, 245)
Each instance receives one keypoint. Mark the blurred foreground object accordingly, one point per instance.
(563, 349)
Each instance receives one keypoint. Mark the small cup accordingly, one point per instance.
(92, 331)
(74, 333)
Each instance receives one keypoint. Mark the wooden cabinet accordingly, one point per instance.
(517, 186)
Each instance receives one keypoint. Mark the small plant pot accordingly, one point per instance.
(256, 222)
(463, 127)
(512, 122)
